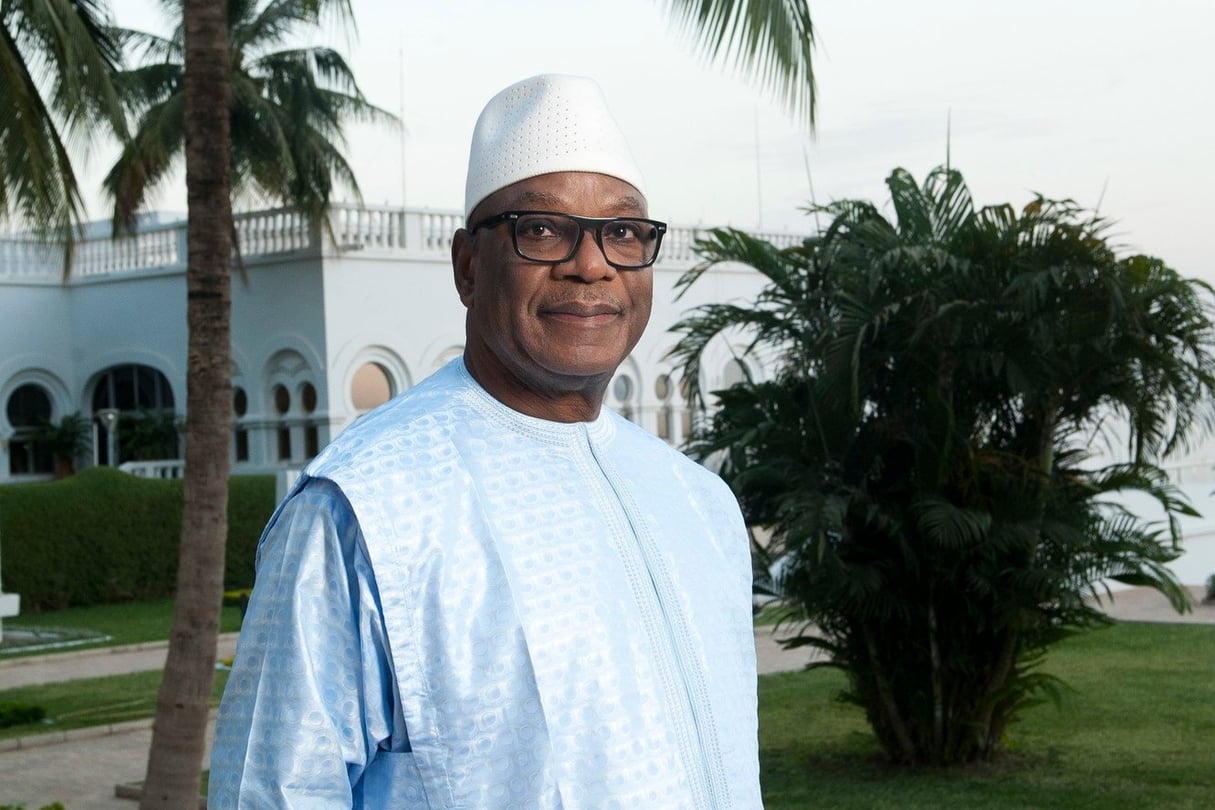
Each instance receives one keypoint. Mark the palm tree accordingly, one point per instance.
(287, 112)
(58, 59)
(922, 451)
(179, 734)
(250, 120)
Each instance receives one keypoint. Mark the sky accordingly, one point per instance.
(1107, 103)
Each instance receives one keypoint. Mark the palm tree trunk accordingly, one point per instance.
(889, 704)
(938, 689)
(178, 738)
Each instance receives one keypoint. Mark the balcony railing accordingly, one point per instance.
(409, 232)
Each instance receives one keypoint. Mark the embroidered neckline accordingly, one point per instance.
(601, 429)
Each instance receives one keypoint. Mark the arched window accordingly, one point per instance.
(132, 388)
(370, 387)
(28, 406)
(292, 400)
(312, 436)
(282, 406)
(685, 391)
(140, 400)
(240, 407)
(282, 399)
(622, 392)
(663, 389)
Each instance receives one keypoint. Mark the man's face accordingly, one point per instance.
(541, 331)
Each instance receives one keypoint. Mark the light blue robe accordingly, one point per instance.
(460, 606)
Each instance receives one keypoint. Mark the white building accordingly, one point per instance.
(324, 326)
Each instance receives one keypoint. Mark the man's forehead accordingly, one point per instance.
(558, 191)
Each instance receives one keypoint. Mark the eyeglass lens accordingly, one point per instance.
(554, 237)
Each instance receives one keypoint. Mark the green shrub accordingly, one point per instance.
(251, 501)
(105, 536)
(18, 714)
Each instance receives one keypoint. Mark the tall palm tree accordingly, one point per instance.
(288, 109)
(179, 734)
(251, 120)
(58, 59)
(922, 450)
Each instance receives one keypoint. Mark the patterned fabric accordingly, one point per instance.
(460, 606)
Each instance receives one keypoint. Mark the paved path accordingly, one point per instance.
(95, 663)
(81, 768)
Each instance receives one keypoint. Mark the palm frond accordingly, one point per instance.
(771, 41)
(289, 108)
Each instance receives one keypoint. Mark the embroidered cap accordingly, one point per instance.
(548, 123)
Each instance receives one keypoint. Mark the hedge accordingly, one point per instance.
(105, 536)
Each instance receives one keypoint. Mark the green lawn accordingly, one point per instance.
(92, 702)
(127, 623)
(1137, 730)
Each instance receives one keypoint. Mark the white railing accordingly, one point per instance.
(23, 259)
(415, 232)
(356, 228)
(261, 233)
(162, 246)
(437, 229)
(167, 468)
(384, 228)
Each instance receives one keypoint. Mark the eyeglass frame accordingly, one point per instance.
(593, 224)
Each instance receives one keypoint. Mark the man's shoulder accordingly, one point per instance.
(428, 413)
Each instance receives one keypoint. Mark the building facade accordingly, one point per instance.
(326, 324)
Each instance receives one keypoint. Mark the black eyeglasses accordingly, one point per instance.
(628, 243)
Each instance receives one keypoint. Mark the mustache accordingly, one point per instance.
(584, 304)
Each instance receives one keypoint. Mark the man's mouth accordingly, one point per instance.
(576, 311)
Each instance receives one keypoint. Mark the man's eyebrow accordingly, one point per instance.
(628, 204)
(624, 204)
(538, 198)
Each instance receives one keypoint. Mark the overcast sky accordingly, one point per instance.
(1106, 102)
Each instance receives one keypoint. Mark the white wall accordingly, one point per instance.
(305, 312)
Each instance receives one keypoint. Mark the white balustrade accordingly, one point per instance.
(437, 229)
(677, 245)
(25, 259)
(262, 233)
(383, 229)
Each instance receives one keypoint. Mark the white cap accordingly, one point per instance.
(549, 123)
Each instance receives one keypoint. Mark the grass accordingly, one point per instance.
(126, 623)
(100, 701)
(93, 701)
(1135, 731)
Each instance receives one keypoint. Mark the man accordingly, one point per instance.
(492, 592)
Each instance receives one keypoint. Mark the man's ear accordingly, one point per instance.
(462, 265)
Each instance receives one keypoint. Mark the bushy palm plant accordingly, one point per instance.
(922, 450)
(287, 111)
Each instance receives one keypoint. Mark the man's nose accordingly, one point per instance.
(588, 262)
